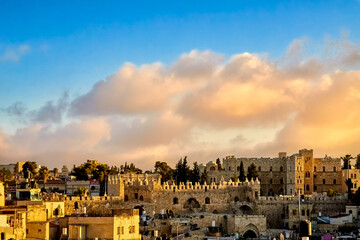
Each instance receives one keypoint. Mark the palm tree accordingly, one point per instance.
(44, 174)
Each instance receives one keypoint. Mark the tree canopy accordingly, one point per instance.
(242, 173)
(252, 172)
(29, 169)
(346, 160)
(165, 171)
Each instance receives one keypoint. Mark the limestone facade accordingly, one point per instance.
(288, 175)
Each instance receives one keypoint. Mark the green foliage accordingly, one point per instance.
(130, 169)
(331, 193)
(29, 169)
(204, 177)
(252, 172)
(182, 171)
(5, 175)
(165, 171)
(346, 160)
(195, 173)
(44, 173)
(220, 166)
(349, 185)
(81, 191)
(56, 171)
(242, 172)
(94, 170)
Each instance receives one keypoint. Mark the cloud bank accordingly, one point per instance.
(204, 105)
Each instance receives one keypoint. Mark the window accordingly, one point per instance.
(122, 230)
(294, 212)
(238, 168)
(303, 212)
(126, 198)
(175, 201)
(141, 198)
(352, 176)
(207, 200)
(314, 169)
(334, 181)
(334, 169)
(132, 229)
(307, 188)
(136, 195)
(323, 169)
(281, 169)
(323, 181)
(270, 181)
(355, 175)
(290, 191)
(270, 168)
(315, 188)
(259, 169)
(212, 168)
(308, 212)
(281, 181)
(307, 174)
(229, 168)
(314, 175)
(118, 231)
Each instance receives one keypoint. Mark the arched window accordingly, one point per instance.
(175, 201)
(334, 169)
(141, 198)
(76, 205)
(281, 169)
(212, 168)
(334, 181)
(126, 198)
(307, 188)
(207, 200)
(323, 169)
(270, 168)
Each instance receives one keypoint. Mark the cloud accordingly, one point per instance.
(14, 53)
(203, 106)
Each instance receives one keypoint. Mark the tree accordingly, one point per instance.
(80, 173)
(220, 166)
(165, 171)
(81, 191)
(195, 174)
(186, 170)
(349, 185)
(182, 171)
(242, 172)
(346, 160)
(56, 171)
(130, 168)
(357, 162)
(29, 169)
(331, 193)
(5, 175)
(44, 174)
(204, 177)
(252, 172)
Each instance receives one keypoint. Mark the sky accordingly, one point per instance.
(147, 81)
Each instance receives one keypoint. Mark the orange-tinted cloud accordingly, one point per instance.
(204, 106)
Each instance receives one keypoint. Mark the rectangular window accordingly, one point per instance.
(303, 212)
(323, 169)
(294, 212)
(64, 231)
(136, 195)
(118, 231)
(122, 230)
(323, 181)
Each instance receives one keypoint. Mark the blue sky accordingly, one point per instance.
(73, 44)
(48, 47)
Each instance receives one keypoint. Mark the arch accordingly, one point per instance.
(212, 168)
(141, 198)
(192, 203)
(175, 200)
(76, 205)
(249, 234)
(126, 198)
(281, 191)
(307, 187)
(250, 231)
(236, 199)
(207, 200)
(246, 209)
(215, 212)
(140, 208)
